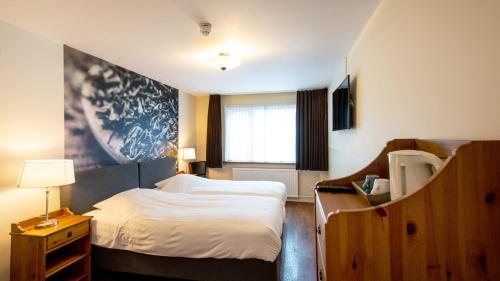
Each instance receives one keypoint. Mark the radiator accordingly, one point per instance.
(287, 176)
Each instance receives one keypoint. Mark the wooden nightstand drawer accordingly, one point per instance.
(66, 235)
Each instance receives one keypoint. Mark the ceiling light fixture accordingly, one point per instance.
(205, 28)
(224, 61)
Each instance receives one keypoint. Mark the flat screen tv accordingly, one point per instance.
(343, 106)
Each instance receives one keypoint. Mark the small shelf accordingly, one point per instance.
(74, 272)
(59, 264)
(76, 276)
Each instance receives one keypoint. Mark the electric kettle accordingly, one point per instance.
(409, 169)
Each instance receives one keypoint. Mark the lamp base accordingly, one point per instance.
(47, 223)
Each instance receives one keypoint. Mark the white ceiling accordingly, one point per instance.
(284, 45)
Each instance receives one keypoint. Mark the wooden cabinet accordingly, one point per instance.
(329, 203)
(61, 252)
(446, 230)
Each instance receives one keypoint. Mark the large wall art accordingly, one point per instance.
(113, 115)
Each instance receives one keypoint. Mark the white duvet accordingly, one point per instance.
(197, 185)
(190, 225)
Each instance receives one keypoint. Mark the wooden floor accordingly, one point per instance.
(298, 257)
(299, 249)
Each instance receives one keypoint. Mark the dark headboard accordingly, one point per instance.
(151, 172)
(95, 185)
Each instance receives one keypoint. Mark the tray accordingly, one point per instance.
(373, 199)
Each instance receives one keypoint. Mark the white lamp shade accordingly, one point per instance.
(188, 153)
(46, 173)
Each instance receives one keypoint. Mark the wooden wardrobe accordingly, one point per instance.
(447, 230)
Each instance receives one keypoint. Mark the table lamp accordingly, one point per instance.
(187, 153)
(46, 173)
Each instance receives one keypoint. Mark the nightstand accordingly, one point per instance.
(61, 252)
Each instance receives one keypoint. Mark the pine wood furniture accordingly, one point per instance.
(61, 252)
(327, 203)
(446, 230)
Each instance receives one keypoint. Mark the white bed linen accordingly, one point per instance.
(190, 225)
(197, 185)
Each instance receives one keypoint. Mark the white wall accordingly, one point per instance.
(187, 121)
(31, 123)
(425, 69)
(201, 127)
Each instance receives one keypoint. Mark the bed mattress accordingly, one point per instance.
(161, 223)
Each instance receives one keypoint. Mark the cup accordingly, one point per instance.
(380, 186)
(368, 184)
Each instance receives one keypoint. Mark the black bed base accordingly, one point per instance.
(207, 269)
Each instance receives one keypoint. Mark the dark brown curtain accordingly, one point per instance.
(214, 133)
(312, 130)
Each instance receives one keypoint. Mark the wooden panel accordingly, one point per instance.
(87, 261)
(64, 223)
(320, 215)
(320, 230)
(333, 202)
(27, 258)
(380, 166)
(321, 275)
(441, 148)
(447, 230)
(327, 204)
(86, 268)
(30, 223)
(68, 234)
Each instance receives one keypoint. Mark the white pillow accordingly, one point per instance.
(118, 201)
(178, 182)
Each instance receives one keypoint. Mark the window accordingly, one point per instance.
(261, 133)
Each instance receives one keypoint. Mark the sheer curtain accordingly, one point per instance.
(260, 133)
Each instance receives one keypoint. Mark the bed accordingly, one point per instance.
(185, 183)
(96, 185)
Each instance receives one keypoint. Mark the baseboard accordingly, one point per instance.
(305, 199)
